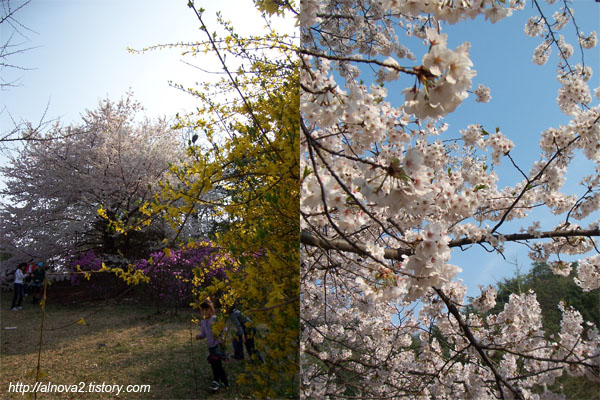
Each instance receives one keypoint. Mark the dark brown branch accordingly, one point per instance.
(499, 378)
(309, 239)
(410, 71)
(529, 185)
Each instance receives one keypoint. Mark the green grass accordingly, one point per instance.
(125, 344)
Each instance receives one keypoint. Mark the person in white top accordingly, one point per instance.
(18, 297)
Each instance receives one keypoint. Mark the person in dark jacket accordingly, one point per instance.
(39, 274)
(29, 267)
(244, 335)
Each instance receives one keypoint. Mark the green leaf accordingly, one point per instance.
(307, 172)
(261, 233)
(271, 198)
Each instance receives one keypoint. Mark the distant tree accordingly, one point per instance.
(551, 290)
(55, 186)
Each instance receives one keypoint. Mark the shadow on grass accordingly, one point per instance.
(61, 323)
(184, 373)
(123, 345)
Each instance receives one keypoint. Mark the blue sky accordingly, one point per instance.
(523, 105)
(80, 57)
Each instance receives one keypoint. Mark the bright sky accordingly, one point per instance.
(80, 57)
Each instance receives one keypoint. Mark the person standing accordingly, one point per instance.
(216, 352)
(244, 335)
(39, 274)
(18, 285)
(28, 278)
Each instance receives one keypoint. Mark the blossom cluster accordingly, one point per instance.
(588, 273)
(447, 79)
(87, 261)
(112, 158)
(487, 300)
(388, 191)
(171, 273)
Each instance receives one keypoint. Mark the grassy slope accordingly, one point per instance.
(127, 344)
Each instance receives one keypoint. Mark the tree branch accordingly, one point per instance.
(307, 238)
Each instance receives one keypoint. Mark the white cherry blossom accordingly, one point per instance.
(392, 188)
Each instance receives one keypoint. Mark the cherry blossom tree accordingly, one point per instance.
(55, 186)
(386, 199)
